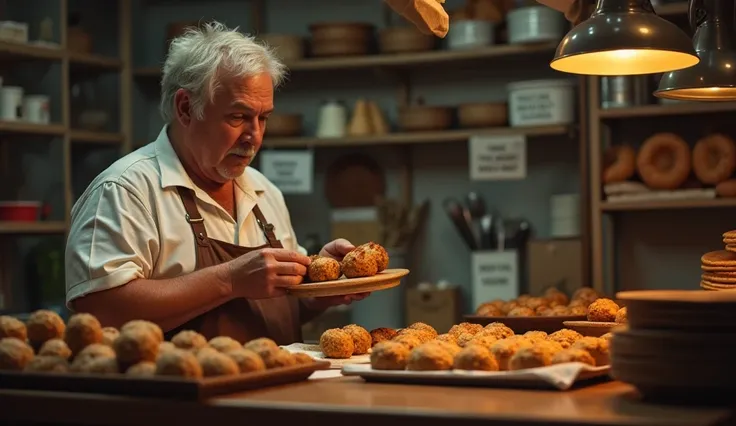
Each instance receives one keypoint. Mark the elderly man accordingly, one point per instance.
(182, 232)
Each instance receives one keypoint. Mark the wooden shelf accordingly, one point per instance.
(32, 128)
(404, 138)
(85, 62)
(668, 204)
(672, 9)
(667, 109)
(21, 51)
(86, 136)
(399, 60)
(51, 227)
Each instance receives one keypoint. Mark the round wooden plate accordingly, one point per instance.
(591, 328)
(384, 280)
(524, 324)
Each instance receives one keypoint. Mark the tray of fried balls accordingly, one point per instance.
(492, 355)
(44, 353)
(362, 270)
(546, 312)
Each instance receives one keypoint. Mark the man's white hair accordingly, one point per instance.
(199, 58)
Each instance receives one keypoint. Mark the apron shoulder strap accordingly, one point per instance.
(193, 217)
(267, 228)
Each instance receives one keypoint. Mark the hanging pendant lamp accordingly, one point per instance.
(624, 37)
(714, 78)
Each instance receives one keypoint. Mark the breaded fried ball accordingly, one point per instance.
(598, 348)
(279, 358)
(504, 349)
(447, 337)
(509, 306)
(216, 363)
(109, 334)
(565, 337)
(165, 346)
(12, 327)
(521, 311)
(603, 310)
(578, 302)
(224, 344)
(586, 294)
(262, 346)
(464, 339)
(142, 369)
(430, 357)
(247, 360)
(489, 310)
(531, 357)
(189, 339)
(408, 340)
(556, 295)
(475, 357)
(578, 310)
(302, 358)
(361, 338)
(136, 344)
(389, 355)
(89, 354)
(378, 252)
(336, 343)
(152, 326)
(465, 327)
(452, 348)
(81, 331)
(44, 325)
(359, 263)
(178, 362)
(323, 268)
(535, 335)
(382, 334)
(424, 336)
(102, 365)
(497, 330)
(607, 336)
(621, 316)
(15, 354)
(481, 339)
(47, 364)
(424, 327)
(57, 348)
(521, 300)
(573, 355)
(535, 302)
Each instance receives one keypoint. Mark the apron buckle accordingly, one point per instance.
(195, 220)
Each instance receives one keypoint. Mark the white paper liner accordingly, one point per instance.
(315, 352)
(560, 376)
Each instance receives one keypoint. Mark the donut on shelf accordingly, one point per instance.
(619, 163)
(664, 161)
(714, 159)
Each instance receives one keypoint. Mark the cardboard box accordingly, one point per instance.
(555, 263)
(438, 308)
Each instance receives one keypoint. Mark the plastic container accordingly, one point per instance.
(541, 102)
(20, 211)
(535, 24)
(470, 34)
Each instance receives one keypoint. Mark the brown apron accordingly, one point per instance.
(242, 319)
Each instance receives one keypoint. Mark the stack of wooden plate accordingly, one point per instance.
(719, 267)
(678, 344)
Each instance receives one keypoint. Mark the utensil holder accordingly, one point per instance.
(495, 275)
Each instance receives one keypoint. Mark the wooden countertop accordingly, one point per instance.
(343, 401)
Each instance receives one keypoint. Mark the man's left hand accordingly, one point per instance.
(336, 249)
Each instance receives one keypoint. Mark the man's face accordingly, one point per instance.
(225, 142)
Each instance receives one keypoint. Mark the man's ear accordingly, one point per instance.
(183, 107)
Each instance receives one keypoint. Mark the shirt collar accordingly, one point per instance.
(173, 173)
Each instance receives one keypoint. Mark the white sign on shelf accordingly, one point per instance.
(497, 157)
(291, 171)
(495, 276)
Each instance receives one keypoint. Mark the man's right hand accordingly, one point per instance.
(264, 273)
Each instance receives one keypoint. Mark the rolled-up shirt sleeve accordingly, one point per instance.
(113, 240)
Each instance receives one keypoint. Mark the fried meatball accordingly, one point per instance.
(361, 338)
(464, 339)
(44, 325)
(424, 336)
(480, 339)
(521, 300)
(621, 316)
(178, 362)
(47, 364)
(55, 347)
(136, 344)
(323, 268)
(165, 346)
(15, 354)
(216, 363)
(521, 311)
(424, 327)
(488, 310)
(153, 327)
(553, 294)
(224, 344)
(102, 365)
(586, 294)
(279, 358)
(12, 327)
(408, 340)
(430, 357)
(497, 330)
(535, 335)
(447, 337)
(336, 343)
(504, 349)
(142, 369)
(531, 357)
(302, 358)
(598, 348)
(565, 337)
(109, 334)
(534, 303)
(603, 310)
(465, 327)
(452, 348)
(189, 339)
(360, 262)
(578, 310)
(89, 354)
(248, 361)
(262, 346)
(509, 306)
(475, 357)
(389, 355)
(81, 331)
(382, 334)
(573, 355)
(379, 253)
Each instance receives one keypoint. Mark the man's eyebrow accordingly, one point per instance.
(243, 106)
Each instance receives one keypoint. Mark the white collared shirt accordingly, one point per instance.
(130, 222)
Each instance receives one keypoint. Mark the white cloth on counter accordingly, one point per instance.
(130, 222)
(315, 352)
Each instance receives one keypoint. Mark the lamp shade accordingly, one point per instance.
(714, 77)
(624, 37)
